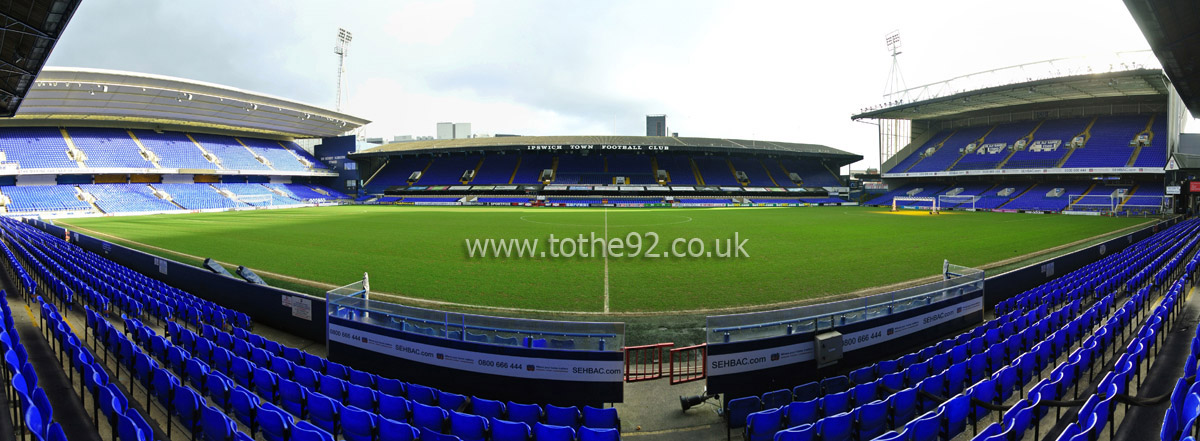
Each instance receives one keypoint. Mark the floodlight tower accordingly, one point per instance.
(342, 49)
(894, 134)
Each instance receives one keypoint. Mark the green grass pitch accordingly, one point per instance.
(794, 253)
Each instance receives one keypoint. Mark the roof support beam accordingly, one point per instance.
(10, 20)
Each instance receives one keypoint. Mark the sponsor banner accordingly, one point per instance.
(682, 188)
(1081, 213)
(563, 369)
(657, 188)
(1194, 187)
(431, 203)
(1173, 189)
(553, 187)
(460, 187)
(731, 188)
(704, 205)
(758, 359)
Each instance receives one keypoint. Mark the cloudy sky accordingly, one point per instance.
(786, 71)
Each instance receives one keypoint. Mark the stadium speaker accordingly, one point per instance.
(547, 175)
(694, 400)
(245, 273)
(215, 267)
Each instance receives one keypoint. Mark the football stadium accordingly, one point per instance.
(186, 260)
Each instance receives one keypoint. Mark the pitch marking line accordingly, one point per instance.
(605, 249)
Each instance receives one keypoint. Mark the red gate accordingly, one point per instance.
(644, 362)
(689, 363)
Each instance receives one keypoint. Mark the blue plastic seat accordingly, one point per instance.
(926, 428)
(422, 394)
(429, 435)
(833, 404)
(806, 391)
(562, 416)
(545, 432)
(871, 419)
(776, 398)
(903, 405)
(592, 434)
(215, 425)
(244, 404)
(393, 430)
(126, 430)
(390, 386)
(865, 392)
(736, 411)
(306, 431)
(804, 432)
(273, 422)
(956, 411)
(531, 414)
(266, 384)
(393, 407)
(428, 417)
(333, 387)
(358, 424)
(451, 401)
(493, 409)
(468, 427)
(835, 428)
(601, 418)
(863, 375)
(362, 378)
(803, 412)
(293, 397)
(503, 430)
(325, 413)
(835, 384)
(187, 407)
(362, 397)
(762, 425)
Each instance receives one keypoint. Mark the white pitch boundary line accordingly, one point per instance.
(604, 248)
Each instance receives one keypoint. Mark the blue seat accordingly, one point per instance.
(429, 435)
(776, 398)
(804, 432)
(358, 424)
(266, 384)
(601, 418)
(835, 428)
(215, 426)
(281, 367)
(362, 397)
(394, 407)
(1006, 380)
(956, 411)
(562, 416)
(451, 401)
(529, 414)
(903, 405)
(163, 387)
(894, 381)
(325, 412)
(361, 378)
(337, 370)
(762, 425)
(493, 409)
(871, 419)
(863, 375)
(126, 430)
(468, 427)
(293, 398)
(241, 370)
(803, 412)
(806, 391)
(865, 392)
(428, 417)
(736, 411)
(835, 384)
(333, 387)
(927, 427)
(503, 430)
(390, 386)
(244, 404)
(833, 404)
(273, 422)
(306, 431)
(393, 430)
(187, 407)
(545, 432)
(422, 394)
(593, 434)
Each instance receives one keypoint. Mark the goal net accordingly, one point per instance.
(1131, 204)
(257, 200)
(964, 202)
(916, 203)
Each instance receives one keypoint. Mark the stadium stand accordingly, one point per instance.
(1155, 154)
(35, 147)
(257, 190)
(1060, 131)
(715, 170)
(995, 374)
(233, 155)
(447, 170)
(982, 158)
(127, 198)
(812, 173)
(949, 152)
(1048, 196)
(753, 168)
(496, 170)
(637, 168)
(108, 148)
(396, 172)
(679, 168)
(174, 149)
(198, 196)
(280, 158)
(530, 168)
(1108, 145)
(43, 199)
(256, 386)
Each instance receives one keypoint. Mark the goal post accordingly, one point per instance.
(256, 200)
(933, 202)
(964, 201)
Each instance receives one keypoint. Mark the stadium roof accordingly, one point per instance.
(29, 29)
(1172, 27)
(615, 143)
(73, 95)
(1034, 94)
